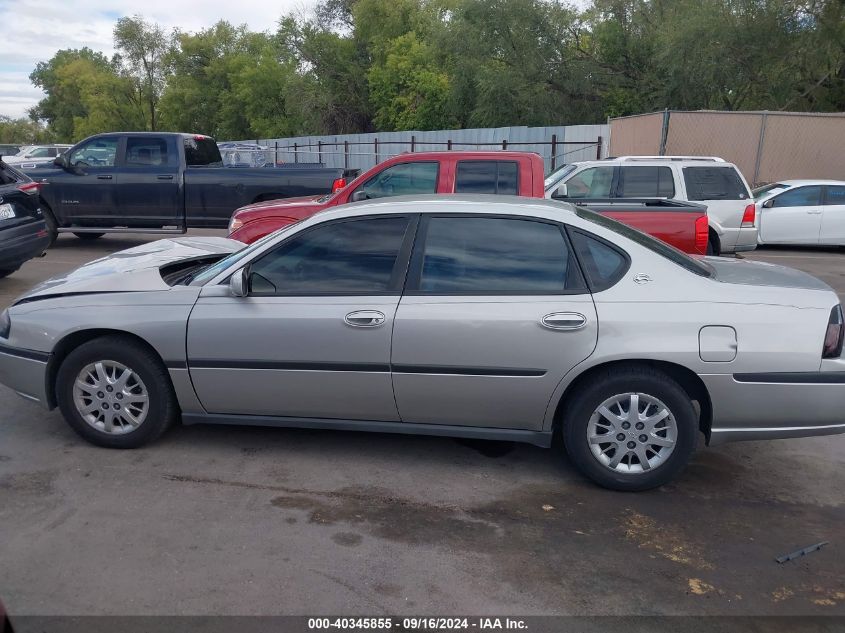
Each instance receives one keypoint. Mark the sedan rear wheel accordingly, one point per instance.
(115, 392)
(631, 428)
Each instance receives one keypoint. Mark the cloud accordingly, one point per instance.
(33, 30)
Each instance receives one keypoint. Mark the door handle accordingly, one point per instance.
(564, 321)
(814, 212)
(103, 176)
(364, 318)
(165, 177)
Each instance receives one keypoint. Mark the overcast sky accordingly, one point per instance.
(33, 30)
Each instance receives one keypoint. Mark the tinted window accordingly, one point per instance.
(146, 152)
(590, 183)
(603, 264)
(344, 257)
(98, 152)
(798, 197)
(41, 152)
(661, 248)
(202, 151)
(761, 191)
(835, 195)
(402, 179)
(486, 176)
(714, 183)
(646, 182)
(496, 256)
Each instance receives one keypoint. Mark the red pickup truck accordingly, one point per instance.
(683, 225)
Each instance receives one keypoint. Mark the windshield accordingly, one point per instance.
(556, 176)
(759, 192)
(647, 241)
(207, 274)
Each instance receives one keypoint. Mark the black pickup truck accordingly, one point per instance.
(155, 182)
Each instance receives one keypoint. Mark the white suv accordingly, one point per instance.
(706, 180)
(32, 155)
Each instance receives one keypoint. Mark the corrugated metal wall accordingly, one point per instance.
(362, 151)
(766, 146)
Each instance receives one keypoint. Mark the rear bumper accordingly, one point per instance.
(769, 406)
(739, 240)
(22, 242)
(25, 372)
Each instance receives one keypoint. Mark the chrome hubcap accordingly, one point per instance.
(111, 397)
(632, 433)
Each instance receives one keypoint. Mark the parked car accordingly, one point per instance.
(467, 316)
(707, 180)
(160, 182)
(505, 173)
(23, 231)
(808, 212)
(32, 155)
(7, 149)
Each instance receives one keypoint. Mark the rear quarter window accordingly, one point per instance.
(714, 183)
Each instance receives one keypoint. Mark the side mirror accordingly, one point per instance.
(358, 196)
(768, 204)
(60, 161)
(562, 191)
(239, 283)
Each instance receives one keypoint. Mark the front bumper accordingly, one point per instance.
(775, 406)
(22, 242)
(25, 371)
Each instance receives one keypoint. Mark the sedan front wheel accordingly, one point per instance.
(631, 429)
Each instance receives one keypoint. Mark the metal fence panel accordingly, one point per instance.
(557, 145)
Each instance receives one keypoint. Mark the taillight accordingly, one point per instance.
(702, 234)
(833, 335)
(338, 184)
(234, 224)
(749, 216)
(29, 187)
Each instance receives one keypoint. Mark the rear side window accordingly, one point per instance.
(799, 197)
(714, 183)
(483, 255)
(146, 152)
(646, 182)
(487, 176)
(835, 195)
(202, 151)
(603, 264)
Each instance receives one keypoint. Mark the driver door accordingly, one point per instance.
(312, 338)
(85, 192)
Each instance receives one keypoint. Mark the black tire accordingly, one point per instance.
(89, 236)
(52, 225)
(713, 246)
(5, 272)
(641, 380)
(162, 403)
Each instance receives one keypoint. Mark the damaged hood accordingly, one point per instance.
(135, 269)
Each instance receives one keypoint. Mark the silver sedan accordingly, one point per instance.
(497, 318)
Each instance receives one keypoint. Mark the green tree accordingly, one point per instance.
(23, 130)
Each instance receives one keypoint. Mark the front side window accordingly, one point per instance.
(714, 183)
(646, 182)
(496, 256)
(41, 152)
(835, 195)
(402, 179)
(350, 257)
(594, 182)
(146, 152)
(98, 152)
(487, 176)
(798, 197)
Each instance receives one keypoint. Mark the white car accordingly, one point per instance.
(32, 155)
(708, 180)
(810, 212)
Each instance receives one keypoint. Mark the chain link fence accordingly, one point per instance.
(766, 146)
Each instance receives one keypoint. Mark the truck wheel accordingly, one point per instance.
(50, 221)
(89, 236)
(713, 245)
(116, 393)
(630, 429)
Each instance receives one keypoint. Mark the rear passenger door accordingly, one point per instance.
(495, 312)
(149, 192)
(645, 181)
(833, 215)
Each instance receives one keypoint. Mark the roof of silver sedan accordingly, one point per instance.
(462, 203)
